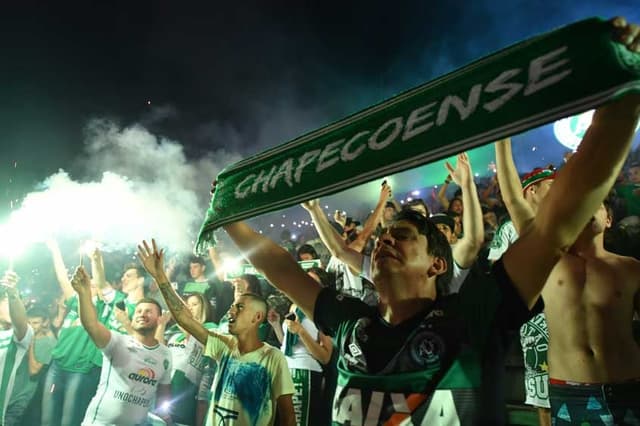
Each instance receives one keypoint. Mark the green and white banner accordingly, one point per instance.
(534, 82)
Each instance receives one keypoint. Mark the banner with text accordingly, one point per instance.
(554, 75)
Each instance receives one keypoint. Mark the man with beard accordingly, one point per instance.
(252, 383)
(135, 367)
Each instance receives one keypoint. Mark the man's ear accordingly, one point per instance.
(438, 267)
(259, 316)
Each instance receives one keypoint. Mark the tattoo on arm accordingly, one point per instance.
(174, 302)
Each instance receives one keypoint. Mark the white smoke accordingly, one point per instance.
(134, 186)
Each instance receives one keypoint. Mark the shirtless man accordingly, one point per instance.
(590, 298)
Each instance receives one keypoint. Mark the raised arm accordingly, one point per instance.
(372, 222)
(60, 269)
(217, 263)
(17, 311)
(88, 317)
(466, 250)
(153, 261)
(442, 193)
(277, 265)
(519, 210)
(579, 188)
(335, 243)
(97, 271)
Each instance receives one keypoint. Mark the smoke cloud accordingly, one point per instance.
(134, 185)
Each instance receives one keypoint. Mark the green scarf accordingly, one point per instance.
(534, 82)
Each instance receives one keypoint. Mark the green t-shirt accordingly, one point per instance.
(429, 369)
(75, 351)
(189, 364)
(630, 192)
(25, 384)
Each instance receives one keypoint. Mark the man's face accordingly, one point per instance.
(37, 323)
(400, 248)
(306, 256)
(446, 231)
(196, 270)
(242, 315)
(600, 221)
(130, 280)
(388, 214)
(456, 205)
(539, 191)
(634, 174)
(145, 317)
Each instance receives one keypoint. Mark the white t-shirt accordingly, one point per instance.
(131, 373)
(505, 236)
(300, 357)
(12, 353)
(247, 386)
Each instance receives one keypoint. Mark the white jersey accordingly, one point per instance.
(12, 354)
(131, 373)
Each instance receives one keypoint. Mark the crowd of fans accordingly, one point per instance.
(361, 325)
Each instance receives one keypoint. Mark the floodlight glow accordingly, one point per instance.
(231, 264)
(415, 193)
(89, 247)
(570, 131)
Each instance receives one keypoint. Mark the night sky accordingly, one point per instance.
(240, 76)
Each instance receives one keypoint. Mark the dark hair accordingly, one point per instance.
(307, 249)
(257, 298)
(139, 269)
(253, 284)
(197, 259)
(418, 202)
(151, 301)
(437, 245)
(38, 312)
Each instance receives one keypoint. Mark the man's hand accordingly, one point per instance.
(461, 175)
(311, 204)
(385, 193)
(627, 34)
(293, 326)
(151, 258)
(340, 217)
(10, 280)
(81, 281)
(121, 316)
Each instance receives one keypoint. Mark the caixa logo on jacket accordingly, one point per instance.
(144, 375)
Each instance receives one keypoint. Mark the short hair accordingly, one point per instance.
(437, 245)
(139, 269)
(151, 301)
(205, 315)
(197, 259)
(253, 284)
(38, 312)
(259, 300)
(307, 249)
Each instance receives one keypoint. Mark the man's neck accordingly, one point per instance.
(398, 312)
(200, 279)
(136, 295)
(589, 246)
(248, 341)
(146, 338)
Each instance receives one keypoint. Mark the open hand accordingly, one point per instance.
(152, 259)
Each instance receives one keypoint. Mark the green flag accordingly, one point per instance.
(554, 75)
